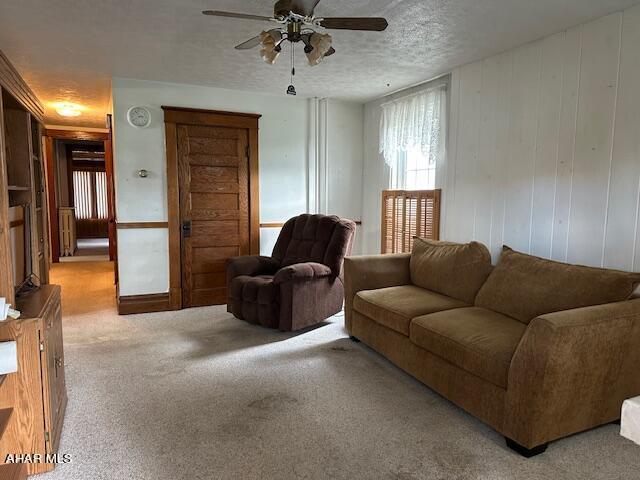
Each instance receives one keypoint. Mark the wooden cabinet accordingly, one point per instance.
(52, 360)
(37, 392)
(32, 400)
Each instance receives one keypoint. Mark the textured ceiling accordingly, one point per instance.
(68, 50)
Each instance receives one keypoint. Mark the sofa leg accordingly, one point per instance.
(353, 339)
(526, 452)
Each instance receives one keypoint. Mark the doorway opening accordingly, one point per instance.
(81, 203)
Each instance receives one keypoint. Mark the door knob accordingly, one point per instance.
(186, 228)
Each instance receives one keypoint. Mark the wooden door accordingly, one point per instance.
(214, 208)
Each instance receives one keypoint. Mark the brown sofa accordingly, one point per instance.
(536, 349)
(301, 283)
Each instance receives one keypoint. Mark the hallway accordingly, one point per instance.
(89, 250)
(88, 292)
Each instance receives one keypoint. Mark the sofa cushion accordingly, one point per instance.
(524, 287)
(394, 307)
(477, 340)
(452, 269)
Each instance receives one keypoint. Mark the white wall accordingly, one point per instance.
(285, 142)
(544, 150)
(143, 254)
(338, 171)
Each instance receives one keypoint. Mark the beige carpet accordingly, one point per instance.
(197, 394)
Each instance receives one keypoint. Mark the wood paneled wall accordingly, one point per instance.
(544, 147)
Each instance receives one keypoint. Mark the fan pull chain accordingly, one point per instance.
(291, 90)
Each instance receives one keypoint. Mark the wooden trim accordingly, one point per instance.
(111, 198)
(134, 225)
(173, 196)
(16, 223)
(174, 116)
(280, 225)
(76, 135)
(71, 190)
(132, 304)
(11, 81)
(203, 110)
(6, 261)
(214, 118)
(89, 156)
(271, 225)
(254, 193)
(53, 207)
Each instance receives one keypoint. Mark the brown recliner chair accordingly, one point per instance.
(301, 283)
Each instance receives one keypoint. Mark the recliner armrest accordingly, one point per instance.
(302, 272)
(572, 370)
(250, 265)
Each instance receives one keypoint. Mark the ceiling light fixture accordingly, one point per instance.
(270, 42)
(298, 23)
(67, 109)
(317, 45)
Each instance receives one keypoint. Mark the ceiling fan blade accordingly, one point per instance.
(301, 7)
(242, 16)
(249, 44)
(355, 23)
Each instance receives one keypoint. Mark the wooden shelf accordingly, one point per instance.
(13, 471)
(5, 416)
(16, 188)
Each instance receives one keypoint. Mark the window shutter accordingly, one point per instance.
(407, 214)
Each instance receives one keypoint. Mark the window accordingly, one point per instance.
(90, 195)
(412, 141)
(413, 171)
(412, 138)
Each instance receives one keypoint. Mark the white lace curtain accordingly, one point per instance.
(415, 121)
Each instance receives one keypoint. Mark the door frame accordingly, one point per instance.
(50, 135)
(174, 116)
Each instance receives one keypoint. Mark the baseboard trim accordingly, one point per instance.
(155, 302)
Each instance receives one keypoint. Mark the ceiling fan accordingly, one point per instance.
(297, 22)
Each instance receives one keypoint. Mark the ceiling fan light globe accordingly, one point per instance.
(321, 44)
(270, 46)
(269, 56)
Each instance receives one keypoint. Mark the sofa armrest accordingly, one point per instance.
(250, 265)
(571, 371)
(371, 272)
(301, 272)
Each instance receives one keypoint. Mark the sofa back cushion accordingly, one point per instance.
(524, 287)
(453, 269)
